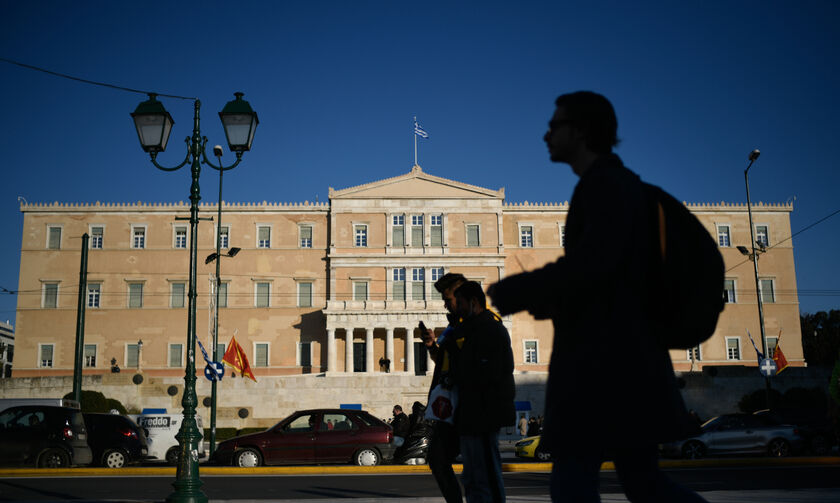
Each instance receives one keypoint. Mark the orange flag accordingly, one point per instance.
(237, 360)
(779, 358)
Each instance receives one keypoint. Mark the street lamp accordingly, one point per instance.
(754, 257)
(153, 124)
(237, 121)
(139, 352)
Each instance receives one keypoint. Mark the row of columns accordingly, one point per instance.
(369, 358)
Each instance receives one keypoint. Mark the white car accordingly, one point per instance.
(160, 437)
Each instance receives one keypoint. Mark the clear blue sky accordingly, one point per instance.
(696, 87)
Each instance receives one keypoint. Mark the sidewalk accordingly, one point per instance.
(764, 496)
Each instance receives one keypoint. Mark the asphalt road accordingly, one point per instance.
(520, 486)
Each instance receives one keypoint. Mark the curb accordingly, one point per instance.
(389, 469)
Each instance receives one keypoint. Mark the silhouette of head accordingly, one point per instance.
(593, 115)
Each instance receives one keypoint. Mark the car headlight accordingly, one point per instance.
(524, 443)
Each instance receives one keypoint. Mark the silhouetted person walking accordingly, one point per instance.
(606, 365)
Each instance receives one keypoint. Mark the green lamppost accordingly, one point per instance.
(153, 125)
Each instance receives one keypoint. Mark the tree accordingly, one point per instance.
(821, 337)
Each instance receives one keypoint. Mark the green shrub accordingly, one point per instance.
(95, 401)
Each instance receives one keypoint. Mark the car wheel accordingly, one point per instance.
(54, 458)
(693, 450)
(366, 457)
(779, 447)
(542, 455)
(172, 456)
(247, 458)
(113, 459)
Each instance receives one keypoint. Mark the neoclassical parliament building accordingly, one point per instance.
(325, 298)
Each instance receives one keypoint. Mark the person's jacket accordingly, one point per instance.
(483, 374)
(400, 425)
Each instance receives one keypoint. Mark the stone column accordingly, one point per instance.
(409, 350)
(331, 350)
(369, 350)
(389, 347)
(348, 353)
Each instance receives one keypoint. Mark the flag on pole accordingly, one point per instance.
(236, 359)
(203, 352)
(779, 357)
(759, 353)
(419, 130)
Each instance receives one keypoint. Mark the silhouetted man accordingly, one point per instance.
(483, 375)
(400, 425)
(611, 388)
(444, 446)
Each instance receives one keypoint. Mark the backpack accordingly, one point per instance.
(688, 272)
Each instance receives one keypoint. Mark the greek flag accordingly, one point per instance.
(201, 346)
(419, 130)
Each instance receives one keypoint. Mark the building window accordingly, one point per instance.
(526, 236)
(399, 284)
(176, 352)
(220, 351)
(768, 294)
(97, 235)
(53, 238)
(417, 230)
(359, 360)
(263, 291)
(360, 233)
(94, 294)
(132, 356)
(562, 235)
(305, 354)
(223, 295)
(180, 237)
(473, 235)
(261, 356)
(436, 230)
(135, 295)
(437, 273)
(177, 294)
(762, 238)
(360, 290)
(723, 235)
(305, 236)
(138, 239)
(50, 300)
(733, 348)
(46, 353)
(772, 343)
(263, 236)
(729, 291)
(398, 230)
(418, 284)
(530, 351)
(224, 236)
(305, 294)
(90, 355)
(693, 354)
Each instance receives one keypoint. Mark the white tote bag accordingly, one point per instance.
(442, 404)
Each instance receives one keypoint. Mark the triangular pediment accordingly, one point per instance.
(416, 185)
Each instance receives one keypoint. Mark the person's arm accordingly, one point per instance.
(607, 214)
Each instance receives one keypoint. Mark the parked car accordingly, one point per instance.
(43, 436)
(313, 437)
(814, 427)
(115, 440)
(160, 432)
(529, 447)
(737, 434)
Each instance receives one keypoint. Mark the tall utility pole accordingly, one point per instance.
(754, 256)
(80, 322)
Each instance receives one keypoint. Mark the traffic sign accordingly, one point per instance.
(767, 367)
(214, 371)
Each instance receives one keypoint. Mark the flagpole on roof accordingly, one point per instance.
(415, 140)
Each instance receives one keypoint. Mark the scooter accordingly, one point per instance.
(415, 449)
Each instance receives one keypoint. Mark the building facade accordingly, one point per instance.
(337, 290)
(7, 349)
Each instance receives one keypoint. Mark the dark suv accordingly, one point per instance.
(115, 440)
(43, 436)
